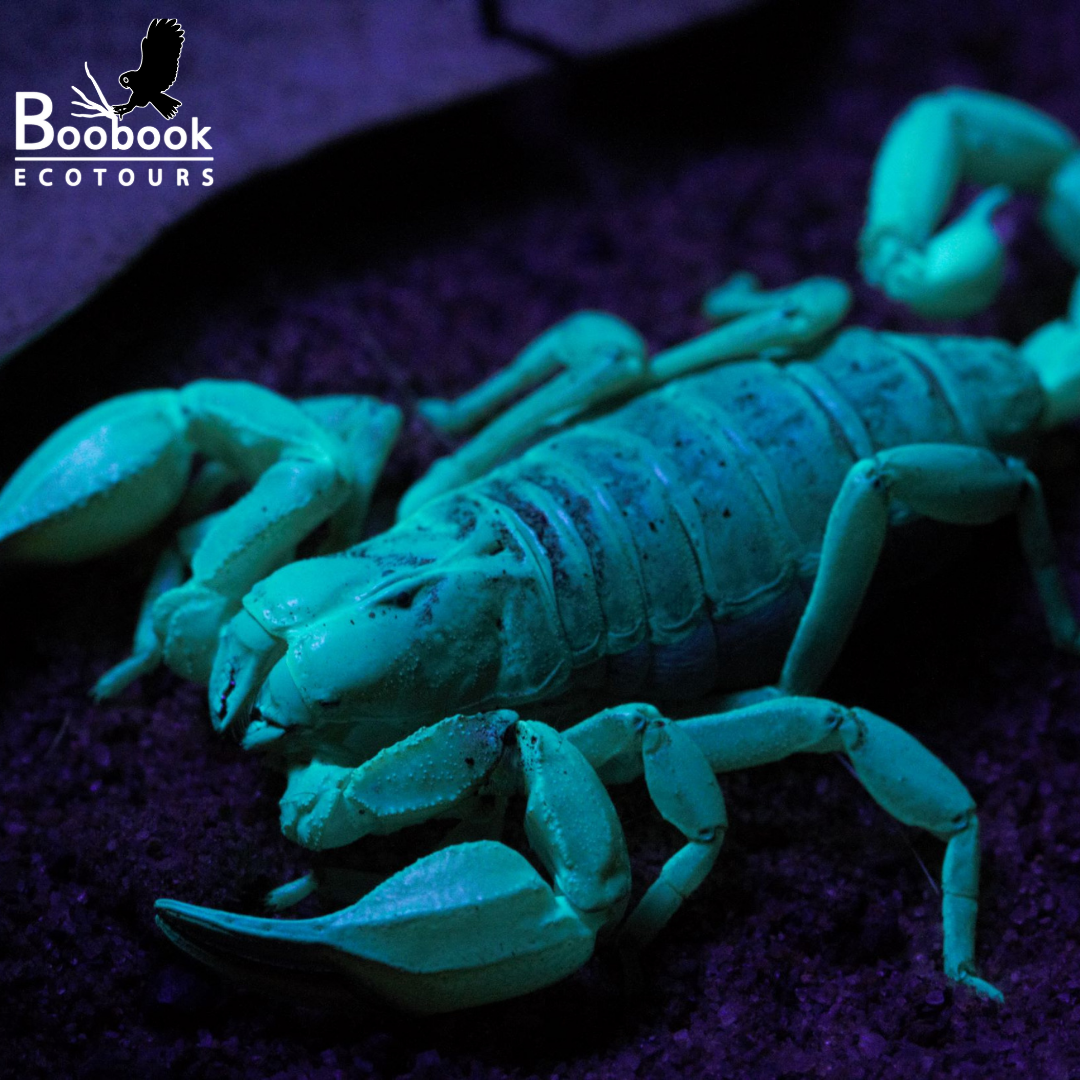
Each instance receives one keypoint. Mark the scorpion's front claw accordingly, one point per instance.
(106, 477)
(469, 924)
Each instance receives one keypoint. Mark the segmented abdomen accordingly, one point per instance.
(683, 530)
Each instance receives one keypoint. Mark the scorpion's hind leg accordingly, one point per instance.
(778, 323)
(958, 485)
(679, 759)
(940, 140)
(146, 649)
(586, 359)
(630, 740)
(599, 358)
(469, 924)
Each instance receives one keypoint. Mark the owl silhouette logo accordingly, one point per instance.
(157, 71)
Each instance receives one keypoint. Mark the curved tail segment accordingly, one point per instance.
(940, 141)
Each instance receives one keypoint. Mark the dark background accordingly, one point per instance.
(414, 260)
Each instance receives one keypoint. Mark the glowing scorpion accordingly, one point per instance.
(696, 523)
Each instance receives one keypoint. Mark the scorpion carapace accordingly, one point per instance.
(713, 525)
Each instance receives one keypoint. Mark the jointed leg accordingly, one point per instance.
(146, 650)
(771, 322)
(368, 429)
(901, 775)
(958, 485)
(599, 358)
(578, 342)
(592, 356)
(630, 740)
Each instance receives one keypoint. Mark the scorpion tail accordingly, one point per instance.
(940, 140)
(467, 925)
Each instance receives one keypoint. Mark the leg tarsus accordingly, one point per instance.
(291, 892)
(146, 651)
(979, 986)
(120, 676)
(339, 885)
(678, 878)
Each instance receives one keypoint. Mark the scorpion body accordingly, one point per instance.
(665, 551)
(703, 520)
(681, 534)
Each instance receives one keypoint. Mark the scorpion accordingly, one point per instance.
(690, 532)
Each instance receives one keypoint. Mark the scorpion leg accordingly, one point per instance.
(173, 565)
(959, 485)
(625, 741)
(146, 649)
(368, 429)
(940, 140)
(468, 924)
(901, 775)
(573, 343)
(604, 359)
(597, 357)
(777, 322)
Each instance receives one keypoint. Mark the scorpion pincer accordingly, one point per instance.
(679, 526)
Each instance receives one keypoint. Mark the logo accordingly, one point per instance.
(157, 71)
(146, 85)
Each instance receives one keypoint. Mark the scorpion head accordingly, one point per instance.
(450, 611)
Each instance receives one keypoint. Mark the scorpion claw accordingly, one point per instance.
(104, 478)
(469, 924)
